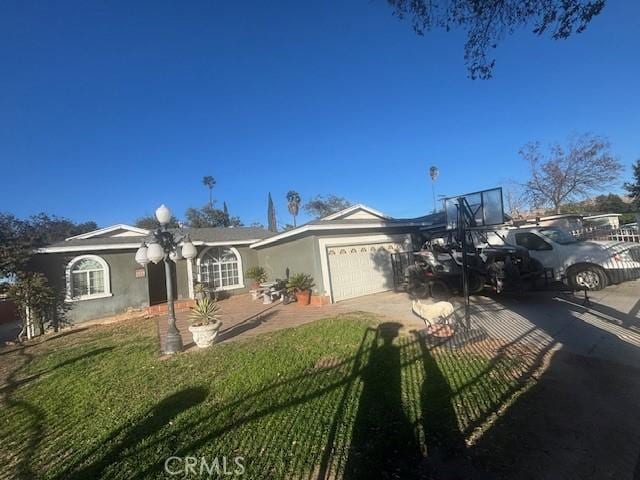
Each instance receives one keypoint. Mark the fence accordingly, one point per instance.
(400, 261)
(602, 233)
(8, 311)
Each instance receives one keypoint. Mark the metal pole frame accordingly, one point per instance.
(462, 231)
(433, 191)
(173, 338)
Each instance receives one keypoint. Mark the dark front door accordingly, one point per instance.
(157, 283)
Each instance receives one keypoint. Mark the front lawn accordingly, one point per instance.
(342, 397)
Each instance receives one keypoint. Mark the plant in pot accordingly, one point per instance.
(205, 322)
(301, 284)
(258, 275)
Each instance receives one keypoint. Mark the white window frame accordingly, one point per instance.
(107, 279)
(239, 261)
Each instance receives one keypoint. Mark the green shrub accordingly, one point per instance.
(257, 274)
(300, 282)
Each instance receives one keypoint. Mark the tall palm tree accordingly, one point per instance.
(208, 181)
(293, 203)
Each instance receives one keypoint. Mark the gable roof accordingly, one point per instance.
(199, 236)
(118, 230)
(356, 211)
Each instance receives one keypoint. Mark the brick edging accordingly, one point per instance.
(178, 306)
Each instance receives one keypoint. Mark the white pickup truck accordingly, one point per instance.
(583, 264)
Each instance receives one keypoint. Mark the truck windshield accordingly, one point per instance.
(558, 235)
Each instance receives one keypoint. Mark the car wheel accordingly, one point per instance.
(588, 277)
(476, 283)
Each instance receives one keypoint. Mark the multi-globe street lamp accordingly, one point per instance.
(165, 245)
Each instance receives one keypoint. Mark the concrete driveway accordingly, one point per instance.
(580, 416)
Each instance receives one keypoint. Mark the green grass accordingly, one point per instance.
(342, 396)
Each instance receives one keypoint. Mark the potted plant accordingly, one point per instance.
(205, 322)
(301, 284)
(258, 275)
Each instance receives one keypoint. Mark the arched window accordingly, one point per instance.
(87, 277)
(221, 268)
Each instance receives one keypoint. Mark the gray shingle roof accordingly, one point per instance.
(227, 234)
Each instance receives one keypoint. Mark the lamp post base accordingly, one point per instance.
(172, 343)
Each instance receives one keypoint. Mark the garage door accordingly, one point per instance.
(357, 270)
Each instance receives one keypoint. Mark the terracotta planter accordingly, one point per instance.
(204, 335)
(303, 298)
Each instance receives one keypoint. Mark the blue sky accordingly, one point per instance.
(108, 109)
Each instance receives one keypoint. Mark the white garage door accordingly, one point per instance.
(357, 270)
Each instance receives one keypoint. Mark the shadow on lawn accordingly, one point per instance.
(35, 415)
(401, 407)
(49, 337)
(383, 438)
(13, 383)
(158, 417)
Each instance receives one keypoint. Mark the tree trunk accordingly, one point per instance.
(40, 324)
(55, 321)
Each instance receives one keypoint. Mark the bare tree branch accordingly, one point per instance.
(586, 166)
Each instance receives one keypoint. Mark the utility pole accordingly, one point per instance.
(433, 173)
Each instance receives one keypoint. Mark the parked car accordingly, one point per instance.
(589, 264)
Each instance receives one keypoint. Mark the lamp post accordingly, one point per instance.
(164, 245)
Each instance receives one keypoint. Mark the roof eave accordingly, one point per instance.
(101, 231)
(333, 226)
(128, 246)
